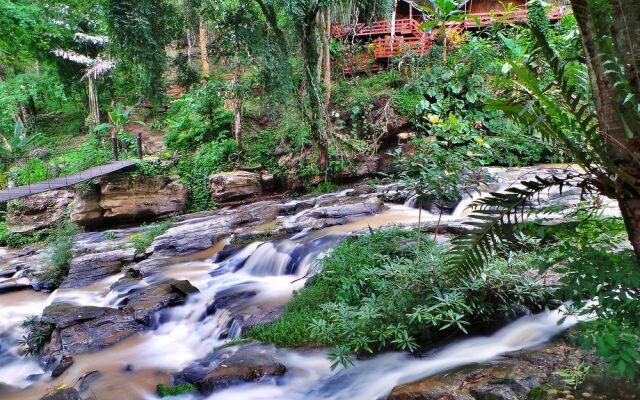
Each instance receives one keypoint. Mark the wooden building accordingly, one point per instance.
(401, 34)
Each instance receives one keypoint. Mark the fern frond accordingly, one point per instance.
(492, 222)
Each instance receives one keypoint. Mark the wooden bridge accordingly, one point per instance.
(58, 183)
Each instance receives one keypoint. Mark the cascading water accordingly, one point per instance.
(259, 277)
(310, 378)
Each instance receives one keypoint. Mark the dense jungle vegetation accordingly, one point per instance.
(260, 85)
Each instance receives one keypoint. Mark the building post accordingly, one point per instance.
(139, 145)
(114, 144)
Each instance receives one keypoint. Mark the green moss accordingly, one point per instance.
(167, 391)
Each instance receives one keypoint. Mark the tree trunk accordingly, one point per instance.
(202, 34)
(314, 115)
(326, 54)
(94, 111)
(393, 22)
(237, 106)
(630, 209)
(189, 46)
(606, 30)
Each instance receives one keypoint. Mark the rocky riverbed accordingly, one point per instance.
(144, 317)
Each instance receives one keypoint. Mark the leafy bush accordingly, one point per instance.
(38, 333)
(141, 241)
(601, 280)
(17, 240)
(197, 117)
(455, 95)
(195, 170)
(378, 292)
(60, 244)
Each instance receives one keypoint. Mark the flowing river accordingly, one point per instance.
(260, 276)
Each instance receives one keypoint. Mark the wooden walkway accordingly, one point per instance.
(58, 183)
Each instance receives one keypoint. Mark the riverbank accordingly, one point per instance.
(139, 317)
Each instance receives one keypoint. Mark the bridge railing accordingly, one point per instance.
(41, 166)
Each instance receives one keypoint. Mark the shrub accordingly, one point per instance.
(195, 170)
(60, 244)
(593, 266)
(197, 117)
(377, 292)
(38, 333)
(141, 241)
(17, 240)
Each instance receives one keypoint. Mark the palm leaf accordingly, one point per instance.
(492, 223)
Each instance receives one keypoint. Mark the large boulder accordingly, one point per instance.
(126, 198)
(513, 377)
(63, 394)
(81, 329)
(146, 301)
(95, 258)
(235, 185)
(362, 167)
(228, 367)
(40, 211)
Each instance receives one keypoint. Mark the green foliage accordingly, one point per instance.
(38, 333)
(573, 377)
(378, 292)
(259, 149)
(16, 144)
(59, 250)
(178, 390)
(186, 74)
(553, 104)
(492, 222)
(140, 30)
(437, 171)
(602, 281)
(141, 241)
(195, 170)
(17, 240)
(198, 117)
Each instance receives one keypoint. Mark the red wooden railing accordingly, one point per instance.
(410, 39)
(404, 26)
(489, 18)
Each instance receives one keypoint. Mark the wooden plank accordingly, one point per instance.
(59, 183)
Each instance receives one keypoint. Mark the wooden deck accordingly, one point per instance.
(58, 183)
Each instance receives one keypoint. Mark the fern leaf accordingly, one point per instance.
(491, 223)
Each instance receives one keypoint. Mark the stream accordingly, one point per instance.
(257, 278)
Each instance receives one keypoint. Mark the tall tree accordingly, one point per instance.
(140, 31)
(611, 37)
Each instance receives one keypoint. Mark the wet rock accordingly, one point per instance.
(62, 366)
(509, 378)
(235, 185)
(64, 315)
(194, 234)
(40, 211)
(144, 303)
(66, 394)
(90, 268)
(370, 206)
(228, 367)
(79, 329)
(13, 285)
(126, 198)
(362, 168)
